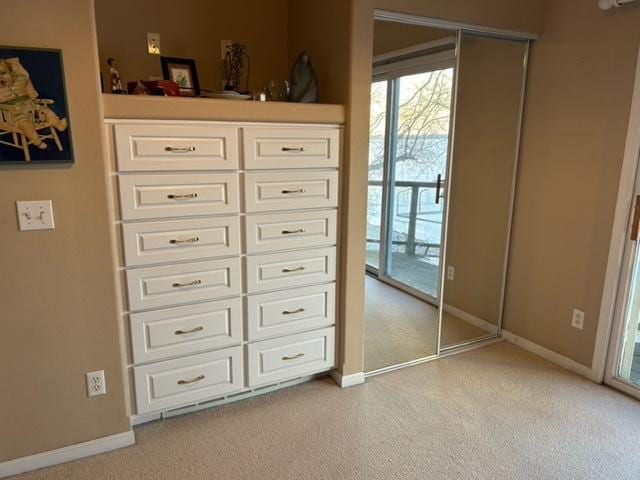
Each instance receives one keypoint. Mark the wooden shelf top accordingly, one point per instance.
(185, 108)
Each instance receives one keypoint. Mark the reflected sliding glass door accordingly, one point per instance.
(408, 157)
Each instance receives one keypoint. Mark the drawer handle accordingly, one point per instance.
(293, 149)
(293, 357)
(183, 196)
(291, 232)
(187, 332)
(193, 380)
(179, 149)
(190, 284)
(292, 192)
(291, 270)
(176, 241)
(293, 312)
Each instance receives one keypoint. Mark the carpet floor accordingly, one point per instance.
(495, 413)
(400, 327)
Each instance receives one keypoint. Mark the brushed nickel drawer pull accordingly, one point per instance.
(187, 332)
(291, 270)
(193, 380)
(291, 232)
(176, 241)
(293, 312)
(190, 284)
(179, 149)
(291, 192)
(293, 149)
(183, 196)
(293, 357)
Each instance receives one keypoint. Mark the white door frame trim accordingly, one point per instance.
(626, 192)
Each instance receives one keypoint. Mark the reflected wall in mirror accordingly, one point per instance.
(488, 108)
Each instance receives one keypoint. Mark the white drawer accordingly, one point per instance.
(290, 269)
(290, 311)
(281, 231)
(168, 241)
(176, 147)
(177, 195)
(290, 190)
(289, 357)
(154, 287)
(172, 332)
(297, 147)
(180, 382)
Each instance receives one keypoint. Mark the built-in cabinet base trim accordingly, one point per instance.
(67, 454)
(345, 381)
(547, 354)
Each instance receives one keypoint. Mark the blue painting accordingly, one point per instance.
(34, 118)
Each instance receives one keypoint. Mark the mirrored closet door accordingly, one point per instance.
(444, 132)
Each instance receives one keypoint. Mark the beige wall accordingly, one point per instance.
(490, 80)
(390, 36)
(57, 292)
(193, 29)
(578, 101)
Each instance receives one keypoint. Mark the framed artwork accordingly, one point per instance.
(183, 72)
(34, 116)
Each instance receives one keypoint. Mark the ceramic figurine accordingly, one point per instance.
(116, 82)
(304, 83)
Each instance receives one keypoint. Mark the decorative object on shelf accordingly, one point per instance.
(225, 95)
(234, 63)
(34, 125)
(278, 90)
(304, 83)
(116, 81)
(183, 72)
(163, 88)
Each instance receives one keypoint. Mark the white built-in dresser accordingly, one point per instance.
(228, 234)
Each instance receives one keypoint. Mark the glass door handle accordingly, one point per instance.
(636, 220)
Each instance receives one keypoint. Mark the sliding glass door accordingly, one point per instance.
(410, 124)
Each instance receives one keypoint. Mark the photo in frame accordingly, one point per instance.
(34, 116)
(183, 72)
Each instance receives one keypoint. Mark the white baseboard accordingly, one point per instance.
(347, 380)
(547, 354)
(472, 319)
(67, 454)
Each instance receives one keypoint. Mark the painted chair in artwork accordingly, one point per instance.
(12, 136)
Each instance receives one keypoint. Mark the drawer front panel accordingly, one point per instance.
(179, 382)
(164, 286)
(269, 148)
(290, 269)
(170, 332)
(290, 311)
(283, 231)
(270, 191)
(290, 357)
(167, 241)
(176, 147)
(161, 196)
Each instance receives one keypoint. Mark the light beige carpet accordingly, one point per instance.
(494, 413)
(399, 327)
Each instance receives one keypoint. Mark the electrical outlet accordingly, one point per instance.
(96, 384)
(223, 47)
(35, 215)
(451, 273)
(153, 43)
(577, 321)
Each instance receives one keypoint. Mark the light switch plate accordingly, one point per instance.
(35, 215)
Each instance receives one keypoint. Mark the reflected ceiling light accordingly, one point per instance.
(607, 4)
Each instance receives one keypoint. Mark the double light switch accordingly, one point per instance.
(35, 215)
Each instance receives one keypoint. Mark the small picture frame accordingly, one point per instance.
(183, 72)
(34, 116)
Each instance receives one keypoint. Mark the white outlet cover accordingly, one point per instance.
(35, 215)
(223, 47)
(153, 43)
(96, 384)
(577, 321)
